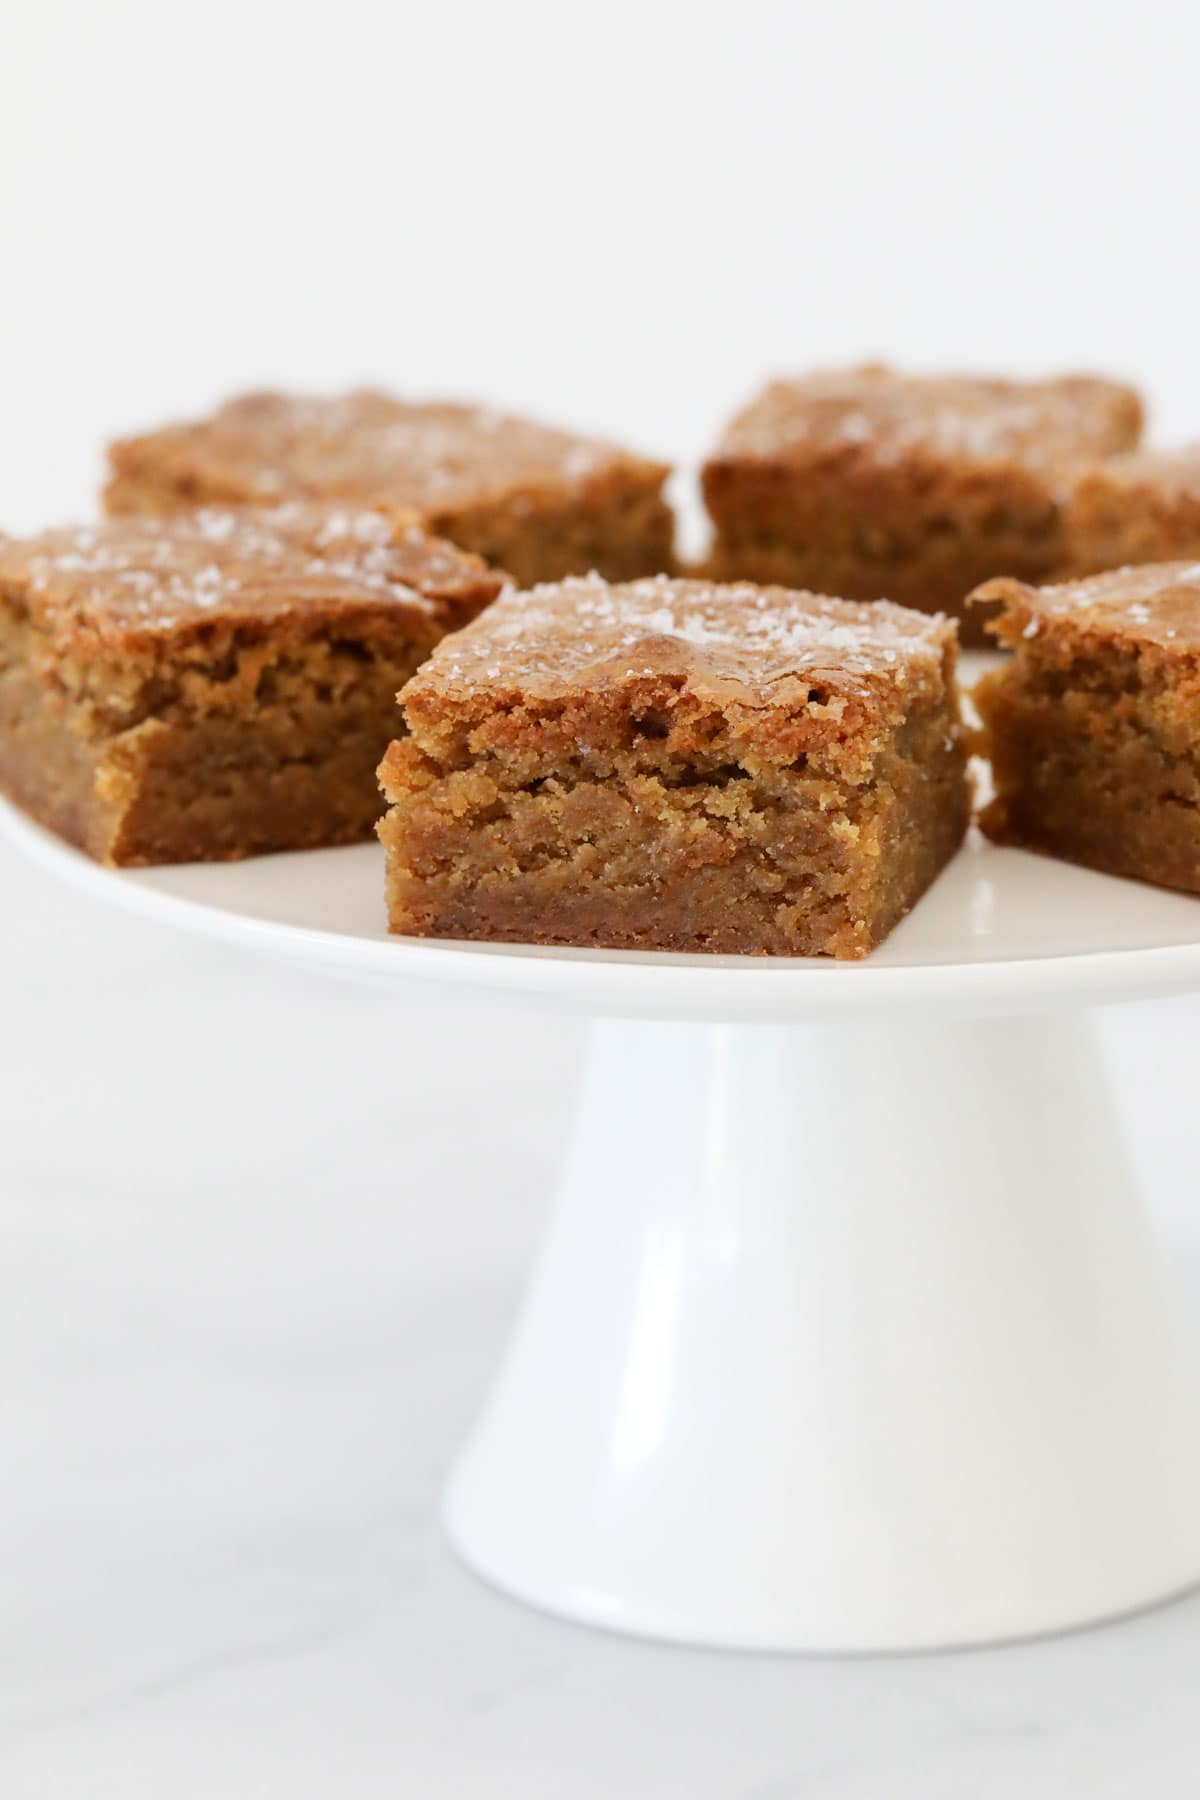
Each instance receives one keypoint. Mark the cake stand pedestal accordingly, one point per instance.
(848, 1333)
(842, 1338)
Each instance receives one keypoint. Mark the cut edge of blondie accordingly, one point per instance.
(674, 766)
(1093, 758)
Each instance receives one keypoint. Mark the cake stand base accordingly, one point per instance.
(843, 1338)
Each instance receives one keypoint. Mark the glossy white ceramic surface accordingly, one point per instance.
(847, 1334)
(999, 929)
(842, 1339)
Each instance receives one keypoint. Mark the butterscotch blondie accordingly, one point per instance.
(676, 765)
(1139, 508)
(1093, 725)
(536, 501)
(875, 484)
(219, 683)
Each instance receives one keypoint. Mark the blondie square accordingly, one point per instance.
(538, 502)
(874, 484)
(217, 684)
(1093, 726)
(1140, 508)
(676, 765)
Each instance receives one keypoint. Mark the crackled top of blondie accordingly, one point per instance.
(763, 652)
(1154, 604)
(137, 577)
(368, 445)
(874, 411)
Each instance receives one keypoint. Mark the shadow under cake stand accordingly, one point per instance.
(849, 1332)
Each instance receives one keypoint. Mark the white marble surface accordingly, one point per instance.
(262, 1237)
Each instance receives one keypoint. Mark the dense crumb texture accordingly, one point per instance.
(217, 684)
(874, 484)
(1140, 508)
(676, 765)
(537, 502)
(1093, 726)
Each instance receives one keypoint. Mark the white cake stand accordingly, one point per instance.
(848, 1332)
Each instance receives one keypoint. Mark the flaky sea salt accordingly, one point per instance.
(738, 630)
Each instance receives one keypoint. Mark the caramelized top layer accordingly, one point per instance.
(138, 577)
(366, 445)
(1153, 605)
(761, 648)
(888, 417)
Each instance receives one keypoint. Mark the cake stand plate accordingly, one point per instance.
(848, 1332)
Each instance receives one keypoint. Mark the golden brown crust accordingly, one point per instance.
(538, 501)
(788, 674)
(880, 417)
(1149, 610)
(134, 578)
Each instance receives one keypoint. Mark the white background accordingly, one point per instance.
(261, 1236)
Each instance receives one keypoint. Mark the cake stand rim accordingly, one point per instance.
(637, 984)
